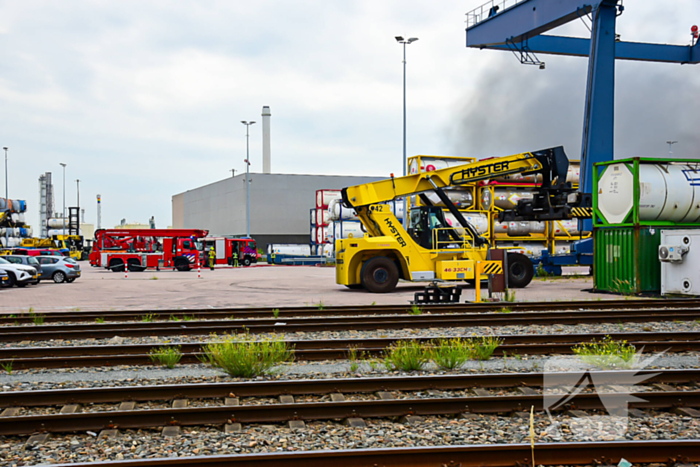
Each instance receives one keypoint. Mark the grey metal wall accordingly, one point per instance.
(279, 205)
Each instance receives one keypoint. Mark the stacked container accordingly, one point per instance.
(633, 200)
(13, 227)
(321, 221)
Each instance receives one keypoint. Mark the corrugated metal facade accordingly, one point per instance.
(626, 260)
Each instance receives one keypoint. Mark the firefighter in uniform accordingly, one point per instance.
(212, 258)
(235, 259)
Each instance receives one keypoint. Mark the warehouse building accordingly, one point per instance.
(279, 205)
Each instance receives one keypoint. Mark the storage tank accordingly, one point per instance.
(347, 229)
(322, 216)
(573, 175)
(564, 227)
(57, 223)
(322, 234)
(519, 228)
(479, 221)
(336, 211)
(460, 198)
(507, 198)
(668, 192)
(289, 249)
(324, 197)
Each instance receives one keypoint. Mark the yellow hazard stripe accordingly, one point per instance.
(493, 268)
(582, 212)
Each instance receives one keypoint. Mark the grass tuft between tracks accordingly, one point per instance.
(240, 357)
(447, 354)
(166, 356)
(607, 353)
(407, 356)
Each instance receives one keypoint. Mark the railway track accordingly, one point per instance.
(316, 324)
(232, 412)
(298, 312)
(671, 452)
(331, 349)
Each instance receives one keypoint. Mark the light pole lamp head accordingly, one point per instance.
(399, 38)
(412, 39)
(62, 165)
(5, 149)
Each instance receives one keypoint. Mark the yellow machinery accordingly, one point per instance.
(431, 250)
(72, 243)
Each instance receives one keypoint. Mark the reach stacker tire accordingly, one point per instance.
(379, 275)
(520, 270)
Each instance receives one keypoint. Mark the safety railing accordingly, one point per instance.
(489, 9)
(466, 239)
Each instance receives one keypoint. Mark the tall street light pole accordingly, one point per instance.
(77, 181)
(403, 41)
(247, 175)
(64, 198)
(670, 147)
(6, 197)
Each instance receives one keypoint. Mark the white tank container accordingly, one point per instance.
(336, 212)
(505, 198)
(321, 234)
(460, 198)
(11, 242)
(57, 223)
(534, 248)
(347, 229)
(667, 192)
(312, 216)
(289, 249)
(564, 227)
(322, 216)
(520, 228)
(573, 175)
(327, 250)
(324, 197)
(479, 221)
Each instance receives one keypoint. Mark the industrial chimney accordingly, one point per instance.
(266, 138)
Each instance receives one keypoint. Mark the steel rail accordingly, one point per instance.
(274, 413)
(290, 312)
(140, 329)
(54, 397)
(669, 452)
(333, 349)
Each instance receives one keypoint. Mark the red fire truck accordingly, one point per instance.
(244, 248)
(140, 249)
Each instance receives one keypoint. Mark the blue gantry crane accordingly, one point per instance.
(518, 26)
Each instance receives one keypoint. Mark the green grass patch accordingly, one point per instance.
(7, 366)
(407, 356)
(167, 356)
(607, 353)
(243, 358)
(150, 317)
(100, 320)
(415, 310)
(449, 354)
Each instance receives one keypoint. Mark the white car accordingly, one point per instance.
(19, 274)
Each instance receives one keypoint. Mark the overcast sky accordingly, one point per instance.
(143, 99)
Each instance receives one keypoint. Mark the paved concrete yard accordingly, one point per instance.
(257, 286)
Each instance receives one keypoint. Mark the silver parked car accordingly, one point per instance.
(27, 261)
(59, 268)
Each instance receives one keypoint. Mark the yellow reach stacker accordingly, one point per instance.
(433, 251)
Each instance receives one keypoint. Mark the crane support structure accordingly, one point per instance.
(518, 25)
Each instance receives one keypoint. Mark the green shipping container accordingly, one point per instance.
(626, 260)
